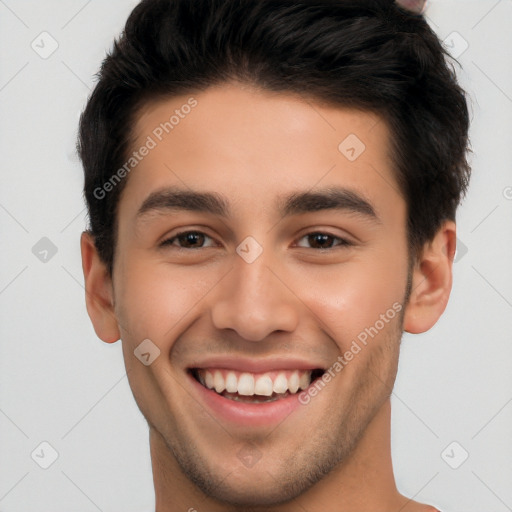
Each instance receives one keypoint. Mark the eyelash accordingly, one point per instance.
(343, 242)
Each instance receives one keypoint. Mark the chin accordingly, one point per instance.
(251, 488)
(251, 495)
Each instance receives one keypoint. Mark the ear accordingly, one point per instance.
(415, 6)
(99, 296)
(431, 281)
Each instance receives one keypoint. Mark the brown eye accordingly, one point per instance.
(320, 240)
(187, 240)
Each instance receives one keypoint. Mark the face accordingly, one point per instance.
(259, 244)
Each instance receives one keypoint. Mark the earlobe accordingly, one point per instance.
(98, 291)
(431, 281)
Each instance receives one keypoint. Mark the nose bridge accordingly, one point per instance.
(253, 301)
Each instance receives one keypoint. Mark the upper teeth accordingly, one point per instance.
(248, 384)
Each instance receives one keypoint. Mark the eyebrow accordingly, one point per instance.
(331, 198)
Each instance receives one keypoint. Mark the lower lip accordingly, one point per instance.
(245, 413)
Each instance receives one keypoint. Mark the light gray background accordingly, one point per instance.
(60, 384)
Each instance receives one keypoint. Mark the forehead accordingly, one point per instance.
(255, 146)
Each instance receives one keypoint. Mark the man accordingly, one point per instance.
(272, 190)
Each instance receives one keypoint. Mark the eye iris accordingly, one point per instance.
(191, 239)
(321, 238)
(196, 239)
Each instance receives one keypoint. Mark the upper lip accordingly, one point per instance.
(256, 365)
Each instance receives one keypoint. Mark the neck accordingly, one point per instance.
(362, 482)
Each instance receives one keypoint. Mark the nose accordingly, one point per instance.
(255, 300)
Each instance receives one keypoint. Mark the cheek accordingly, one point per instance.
(356, 297)
(157, 301)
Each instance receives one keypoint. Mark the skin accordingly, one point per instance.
(295, 299)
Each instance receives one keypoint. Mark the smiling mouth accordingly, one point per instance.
(255, 387)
